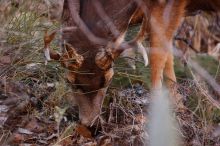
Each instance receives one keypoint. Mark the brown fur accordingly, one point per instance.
(93, 35)
(161, 34)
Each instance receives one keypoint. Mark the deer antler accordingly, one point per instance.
(66, 58)
(50, 54)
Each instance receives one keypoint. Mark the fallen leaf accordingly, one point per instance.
(83, 130)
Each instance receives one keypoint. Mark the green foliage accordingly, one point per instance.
(126, 76)
(209, 63)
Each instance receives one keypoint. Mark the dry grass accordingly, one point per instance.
(42, 91)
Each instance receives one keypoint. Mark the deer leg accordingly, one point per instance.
(163, 26)
(158, 55)
(169, 70)
(162, 64)
(170, 79)
(158, 59)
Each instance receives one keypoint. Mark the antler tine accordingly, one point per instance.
(50, 54)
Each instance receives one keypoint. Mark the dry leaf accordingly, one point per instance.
(84, 131)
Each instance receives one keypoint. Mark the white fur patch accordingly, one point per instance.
(47, 54)
(142, 50)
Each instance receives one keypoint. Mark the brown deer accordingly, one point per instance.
(93, 38)
(161, 55)
(90, 47)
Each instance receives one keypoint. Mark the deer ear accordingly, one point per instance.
(48, 38)
(104, 59)
(50, 54)
(71, 59)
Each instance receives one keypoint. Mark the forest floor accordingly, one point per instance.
(36, 105)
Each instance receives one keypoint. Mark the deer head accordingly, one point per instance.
(88, 74)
